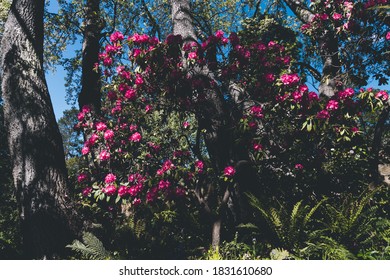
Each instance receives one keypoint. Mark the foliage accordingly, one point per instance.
(10, 242)
(291, 227)
(72, 140)
(4, 8)
(154, 88)
(360, 28)
(91, 248)
(337, 228)
(233, 250)
(150, 180)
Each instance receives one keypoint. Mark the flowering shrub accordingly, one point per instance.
(145, 145)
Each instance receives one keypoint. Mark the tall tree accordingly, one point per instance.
(90, 86)
(36, 149)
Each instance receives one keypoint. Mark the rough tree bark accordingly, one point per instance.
(90, 85)
(36, 150)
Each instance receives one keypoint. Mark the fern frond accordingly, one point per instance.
(308, 216)
(295, 215)
(91, 247)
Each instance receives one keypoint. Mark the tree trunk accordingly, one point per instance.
(211, 114)
(216, 233)
(377, 143)
(182, 20)
(36, 150)
(90, 85)
(329, 50)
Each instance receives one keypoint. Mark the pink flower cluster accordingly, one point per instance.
(229, 171)
(290, 79)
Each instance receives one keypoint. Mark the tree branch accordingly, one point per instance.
(300, 10)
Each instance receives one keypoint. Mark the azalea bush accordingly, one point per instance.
(148, 150)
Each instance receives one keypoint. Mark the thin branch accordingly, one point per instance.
(156, 27)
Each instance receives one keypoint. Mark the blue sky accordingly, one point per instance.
(56, 80)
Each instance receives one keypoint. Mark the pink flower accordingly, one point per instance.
(313, 96)
(112, 49)
(382, 95)
(348, 5)
(116, 36)
(85, 150)
(148, 108)
(269, 77)
(388, 35)
(298, 166)
(219, 34)
(107, 61)
(163, 184)
(252, 125)
(104, 155)
(153, 41)
(131, 94)
(92, 140)
(347, 93)
(257, 111)
(123, 191)
(192, 55)
(337, 16)
(110, 178)
(289, 79)
(229, 171)
(324, 114)
(83, 177)
(109, 134)
(272, 44)
(133, 127)
(136, 201)
(139, 80)
(133, 191)
(354, 129)
(324, 16)
(305, 26)
(257, 147)
(303, 88)
(101, 126)
(167, 165)
(87, 191)
(199, 165)
(109, 190)
(81, 116)
(135, 137)
(332, 105)
(186, 124)
(136, 52)
(297, 96)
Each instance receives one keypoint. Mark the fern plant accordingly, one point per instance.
(350, 230)
(289, 226)
(351, 222)
(91, 248)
